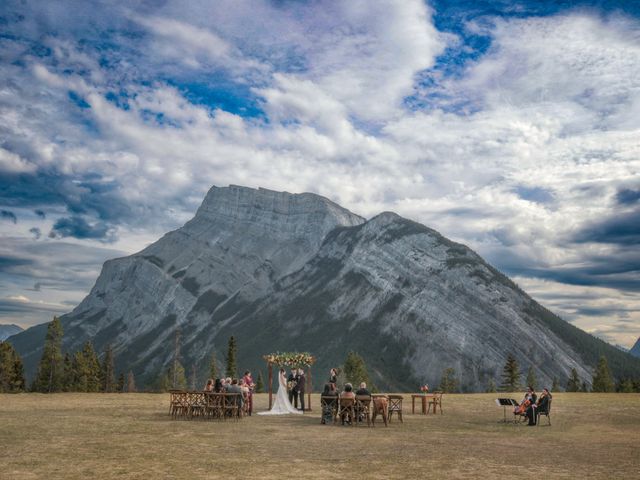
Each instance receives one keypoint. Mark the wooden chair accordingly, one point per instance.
(179, 403)
(547, 413)
(346, 408)
(395, 405)
(380, 407)
(231, 405)
(329, 408)
(213, 405)
(197, 404)
(435, 401)
(363, 409)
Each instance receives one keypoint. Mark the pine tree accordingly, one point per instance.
(585, 387)
(510, 375)
(555, 386)
(178, 379)
(448, 382)
(193, 377)
(602, 380)
(108, 375)
(491, 386)
(131, 383)
(231, 358)
(355, 370)
(87, 370)
(68, 377)
(11, 370)
(176, 367)
(120, 386)
(626, 386)
(213, 367)
(80, 375)
(260, 383)
(573, 384)
(532, 381)
(51, 369)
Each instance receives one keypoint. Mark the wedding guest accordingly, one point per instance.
(348, 391)
(363, 390)
(209, 386)
(233, 387)
(328, 403)
(248, 381)
(217, 386)
(333, 376)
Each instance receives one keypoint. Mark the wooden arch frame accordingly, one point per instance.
(291, 360)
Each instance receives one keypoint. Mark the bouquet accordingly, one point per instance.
(424, 388)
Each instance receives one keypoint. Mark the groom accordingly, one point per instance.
(300, 381)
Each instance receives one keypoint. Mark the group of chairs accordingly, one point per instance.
(206, 405)
(361, 409)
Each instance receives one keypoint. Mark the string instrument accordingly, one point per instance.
(522, 408)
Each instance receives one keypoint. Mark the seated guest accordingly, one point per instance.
(209, 386)
(217, 386)
(233, 387)
(328, 404)
(348, 391)
(363, 390)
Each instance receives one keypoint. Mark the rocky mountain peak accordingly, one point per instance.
(237, 203)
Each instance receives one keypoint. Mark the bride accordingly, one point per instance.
(282, 405)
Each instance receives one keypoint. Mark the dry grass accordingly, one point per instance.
(131, 436)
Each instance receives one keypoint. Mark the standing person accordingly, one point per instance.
(300, 384)
(282, 405)
(333, 376)
(248, 381)
(209, 386)
(291, 386)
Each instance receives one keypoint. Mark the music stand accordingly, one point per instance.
(504, 403)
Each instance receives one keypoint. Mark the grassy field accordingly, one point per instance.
(75, 436)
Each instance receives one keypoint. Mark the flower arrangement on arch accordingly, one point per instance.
(291, 359)
(424, 388)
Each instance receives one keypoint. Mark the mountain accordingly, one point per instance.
(7, 330)
(284, 272)
(635, 350)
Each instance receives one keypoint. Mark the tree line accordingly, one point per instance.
(84, 372)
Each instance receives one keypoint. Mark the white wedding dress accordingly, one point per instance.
(282, 405)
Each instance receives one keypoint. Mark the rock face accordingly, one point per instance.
(285, 272)
(635, 350)
(7, 330)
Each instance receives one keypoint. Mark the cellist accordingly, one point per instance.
(529, 399)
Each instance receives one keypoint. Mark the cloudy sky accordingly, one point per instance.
(510, 126)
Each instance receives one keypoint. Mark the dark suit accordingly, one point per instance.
(293, 393)
(363, 391)
(300, 389)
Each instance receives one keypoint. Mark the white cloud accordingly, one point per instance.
(556, 106)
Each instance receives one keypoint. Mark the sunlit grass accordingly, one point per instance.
(131, 436)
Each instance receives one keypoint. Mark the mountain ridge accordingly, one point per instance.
(287, 271)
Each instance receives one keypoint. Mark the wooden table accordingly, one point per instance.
(424, 398)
